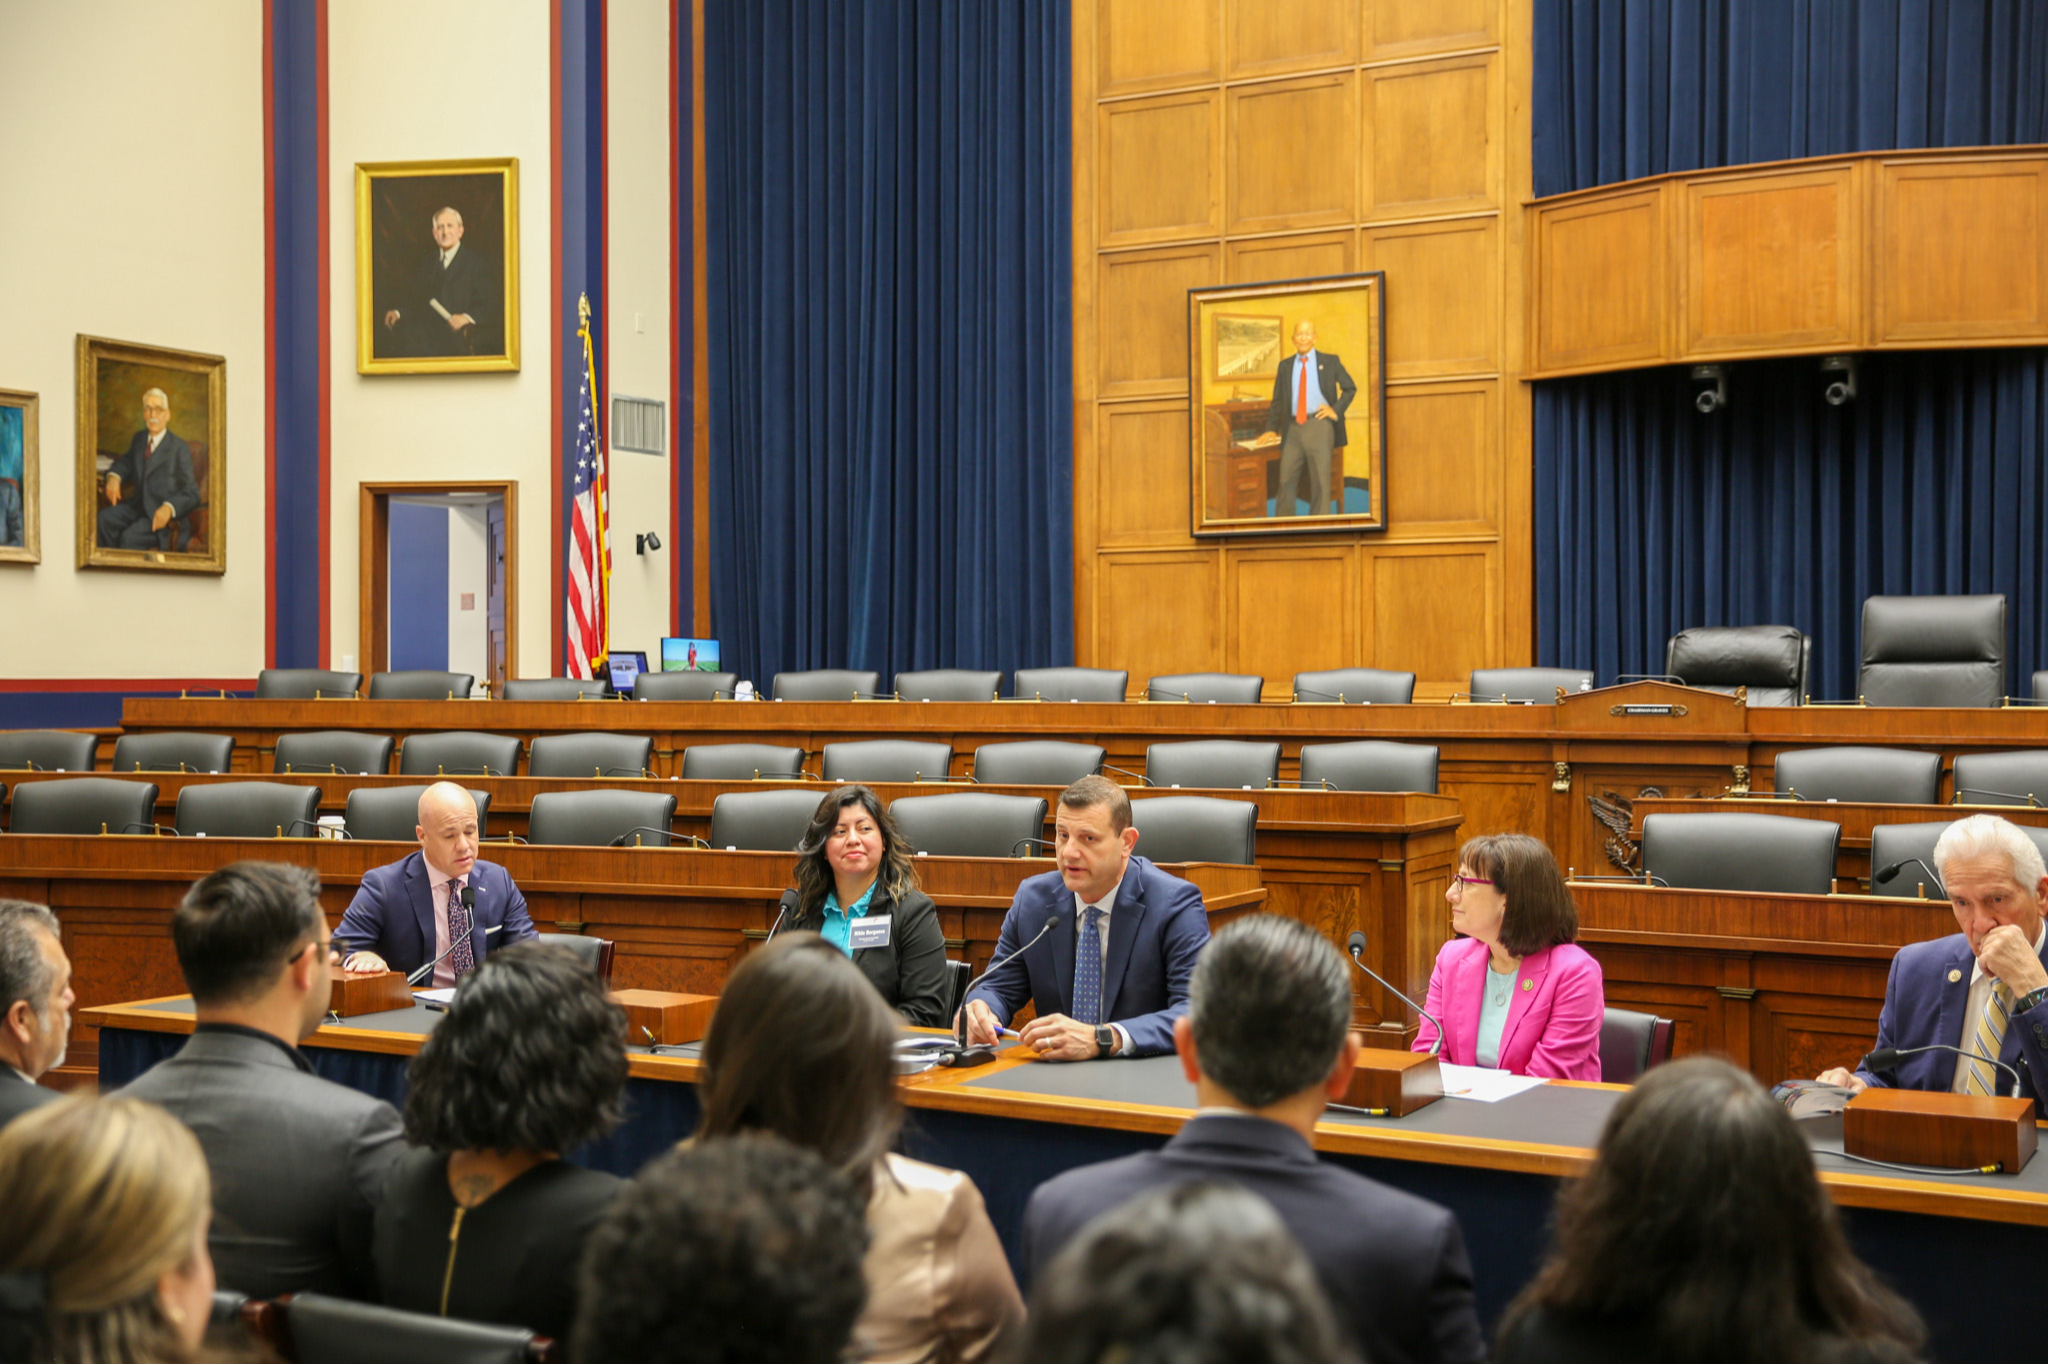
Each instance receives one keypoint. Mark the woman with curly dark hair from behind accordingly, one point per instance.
(481, 1218)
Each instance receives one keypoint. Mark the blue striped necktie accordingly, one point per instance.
(1088, 969)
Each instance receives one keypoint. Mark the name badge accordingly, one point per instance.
(871, 931)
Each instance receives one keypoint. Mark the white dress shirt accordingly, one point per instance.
(1107, 905)
(449, 255)
(1973, 1010)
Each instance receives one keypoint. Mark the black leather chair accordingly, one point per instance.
(394, 813)
(459, 753)
(593, 754)
(595, 818)
(826, 684)
(1771, 661)
(887, 760)
(596, 951)
(1212, 763)
(1933, 651)
(248, 810)
(1370, 765)
(174, 752)
(1891, 844)
(763, 821)
(421, 684)
(2017, 777)
(1205, 687)
(1353, 686)
(84, 805)
(48, 751)
(1853, 772)
(971, 824)
(685, 686)
(1538, 685)
(331, 751)
(1036, 762)
(950, 684)
(1741, 852)
(741, 762)
(307, 684)
(1630, 1044)
(1196, 829)
(315, 1327)
(1070, 684)
(554, 689)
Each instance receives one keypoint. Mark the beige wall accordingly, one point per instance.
(133, 161)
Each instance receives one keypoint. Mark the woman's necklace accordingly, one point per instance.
(1499, 987)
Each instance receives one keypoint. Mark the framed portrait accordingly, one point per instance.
(21, 484)
(437, 266)
(152, 458)
(1289, 430)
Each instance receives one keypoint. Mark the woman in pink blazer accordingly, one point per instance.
(1515, 993)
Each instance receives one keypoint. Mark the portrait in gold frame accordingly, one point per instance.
(169, 510)
(21, 484)
(437, 266)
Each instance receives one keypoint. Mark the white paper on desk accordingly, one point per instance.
(1483, 1083)
(445, 995)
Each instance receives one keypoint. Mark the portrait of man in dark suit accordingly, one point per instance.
(151, 477)
(448, 304)
(437, 266)
(151, 485)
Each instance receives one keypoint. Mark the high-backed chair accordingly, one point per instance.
(1630, 1044)
(1070, 684)
(310, 1327)
(307, 684)
(174, 751)
(1205, 687)
(1212, 763)
(1900, 844)
(741, 762)
(84, 805)
(1742, 852)
(595, 951)
(687, 686)
(421, 684)
(554, 689)
(597, 818)
(594, 754)
(459, 753)
(48, 751)
(763, 821)
(394, 813)
(1771, 661)
(1353, 686)
(248, 810)
(1538, 685)
(1196, 829)
(888, 760)
(2040, 692)
(950, 684)
(1370, 765)
(1933, 651)
(1036, 762)
(971, 824)
(1853, 772)
(331, 751)
(826, 684)
(2016, 777)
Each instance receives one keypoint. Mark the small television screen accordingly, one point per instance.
(689, 656)
(625, 666)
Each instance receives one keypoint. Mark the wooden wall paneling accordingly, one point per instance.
(1498, 797)
(1160, 169)
(1301, 257)
(1290, 609)
(1681, 987)
(1153, 44)
(1443, 296)
(1598, 283)
(1432, 138)
(1771, 263)
(1435, 611)
(1084, 278)
(1157, 612)
(1291, 152)
(1444, 467)
(1141, 473)
(1141, 311)
(1962, 250)
(1518, 477)
(1405, 28)
(1266, 39)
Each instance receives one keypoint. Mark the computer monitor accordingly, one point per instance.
(624, 667)
(681, 655)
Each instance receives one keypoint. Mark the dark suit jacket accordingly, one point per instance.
(1394, 1265)
(393, 913)
(1156, 931)
(298, 1162)
(471, 284)
(18, 1096)
(1331, 377)
(149, 481)
(1922, 1006)
(910, 970)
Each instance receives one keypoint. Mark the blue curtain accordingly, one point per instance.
(1651, 518)
(891, 357)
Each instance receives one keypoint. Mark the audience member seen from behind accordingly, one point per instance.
(1515, 993)
(35, 1005)
(1701, 1232)
(481, 1218)
(802, 1048)
(298, 1162)
(104, 1256)
(857, 887)
(1268, 1043)
(1194, 1272)
(739, 1249)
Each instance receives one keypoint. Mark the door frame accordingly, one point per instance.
(373, 564)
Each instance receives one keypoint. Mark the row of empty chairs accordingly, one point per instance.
(1744, 851)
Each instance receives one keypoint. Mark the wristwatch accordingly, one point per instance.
(1105, 1041)
(2029, 1000)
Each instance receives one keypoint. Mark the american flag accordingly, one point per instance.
(590, 551)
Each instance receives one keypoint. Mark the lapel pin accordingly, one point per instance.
(1955, 973)
(1528, 985)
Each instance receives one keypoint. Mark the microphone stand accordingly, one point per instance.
(960, 1024)
(1885, 874)
(1357, 946)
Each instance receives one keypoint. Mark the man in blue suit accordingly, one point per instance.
(1983, 991)
(1108, 943)
(413, 912)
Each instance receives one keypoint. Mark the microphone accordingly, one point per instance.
(1357, 946)
(625, 772)
(314, 825)
(1885, 874)
(798, 776)
(782, 909)
(1027, 839)
(1164, 695)
(636, 830)
(468, 899)
(1885, 1058)
(960, 1024)
(2027, 797)
(480, 770)
(1338, 697)
(1321, 784)
(878, 696)
(134, 825)
(1143, 780)
(29, 765)
(1644, 879)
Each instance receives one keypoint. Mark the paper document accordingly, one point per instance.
(435, 304)
(445, 995)
(1483, 1083)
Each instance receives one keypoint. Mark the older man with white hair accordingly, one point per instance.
(151, 486)
(1979, 993)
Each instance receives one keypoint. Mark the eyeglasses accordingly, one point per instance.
(1460, 883)
(336, 949)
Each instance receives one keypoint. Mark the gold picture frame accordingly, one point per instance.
(21, 482)
(404, 264)
(186, 471)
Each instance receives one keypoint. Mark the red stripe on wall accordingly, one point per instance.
(556, 594)
(678, 609)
